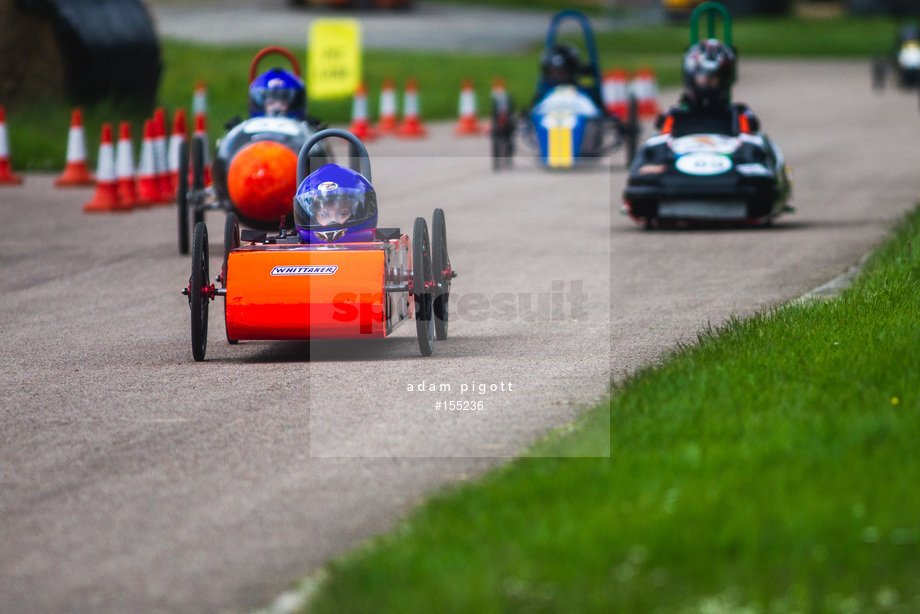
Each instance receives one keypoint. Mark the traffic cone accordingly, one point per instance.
(467, 124)
(386, 124)
(646, 90)
(160, 160)
(200, 99)
(615, 93)
(148, 188)
(76, 173)
(178, 136)
(359, 124)
(125, 180)
(105, 199)
(411, 126)
(6, 171)
(201, 131)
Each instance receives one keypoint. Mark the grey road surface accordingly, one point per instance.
(428, 26)
(134, 479)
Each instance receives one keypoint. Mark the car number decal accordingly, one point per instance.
(702, 163)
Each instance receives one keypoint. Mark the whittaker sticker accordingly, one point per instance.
(305, 270)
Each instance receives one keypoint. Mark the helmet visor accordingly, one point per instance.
(332, 206)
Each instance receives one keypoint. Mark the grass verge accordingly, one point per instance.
(771, 467)
(38, 132)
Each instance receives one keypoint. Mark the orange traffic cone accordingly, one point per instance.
(6, 171)
(646, 90)
(160, 161)
(178, 136)
(467, 124)
(76, 173)
(615, 93)
(386, 124)
(411, 126)
(105, 199)
(201, 131)
(148, 189)
(124, 168)
(359, 124)
(200, 99)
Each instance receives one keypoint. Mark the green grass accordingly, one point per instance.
(38, 133)
(772, 467)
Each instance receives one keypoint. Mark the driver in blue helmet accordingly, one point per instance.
(705, 106)
(335, 205)
(277, 93)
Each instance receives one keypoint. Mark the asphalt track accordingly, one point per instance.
(135, 480)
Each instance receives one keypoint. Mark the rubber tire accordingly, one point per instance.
(501, 135)
(879, 70)
(632, 130)
(198, 178)
(421, 272)
(197, 298)
(231, 242)
(440, 262)
(182, 199)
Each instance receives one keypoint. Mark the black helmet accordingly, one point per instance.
(709, 72)
(560, 64)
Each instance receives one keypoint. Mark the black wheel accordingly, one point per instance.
(632, 130)
(878, 74)
(440, 264)
(421, 291)
(231, 242)
(182, 198)
(198, 145)
(199, 294)
(502, 132)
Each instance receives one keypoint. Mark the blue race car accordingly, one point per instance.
(567, 122)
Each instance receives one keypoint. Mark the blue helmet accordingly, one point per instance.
(277, 93)
(335, 205)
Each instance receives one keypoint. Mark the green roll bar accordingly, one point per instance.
(710, 9)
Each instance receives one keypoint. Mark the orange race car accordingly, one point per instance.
(335, 276)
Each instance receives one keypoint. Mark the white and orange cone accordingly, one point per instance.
(387, 124)
(467, 122)
(105, 198)
(178, 136)
(160, 161)
(411, 126)
(76, 172)
(125, 179)
(200, 99)
(201, 131)
(7, 177)
(615, 92)
(148, 188)
(359, 124)
(646, 90)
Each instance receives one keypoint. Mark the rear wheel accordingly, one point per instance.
(182, 198)
(440, 264)
(231, 242)
(198, 179)
(501, 132)
(199, 294)
(421, 291)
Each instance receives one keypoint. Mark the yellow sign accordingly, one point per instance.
(333, 58)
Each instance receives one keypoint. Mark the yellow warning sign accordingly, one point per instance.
(333, 58)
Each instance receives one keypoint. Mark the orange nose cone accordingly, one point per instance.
(262, 180)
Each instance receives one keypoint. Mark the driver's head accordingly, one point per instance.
(277, 93)
(559, 65)
(335, 204)
(709, 72)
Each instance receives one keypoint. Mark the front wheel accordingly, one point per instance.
(422, 282)
(198, 145)
(502, 132)
(199, 292)
(443, 274)
(632, 130)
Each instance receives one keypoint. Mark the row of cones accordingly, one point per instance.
(411, 126)
(616, 89)
(119, 187)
